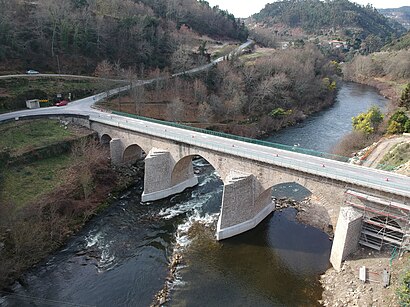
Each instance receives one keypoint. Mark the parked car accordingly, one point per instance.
(32, 72)
(62, 103)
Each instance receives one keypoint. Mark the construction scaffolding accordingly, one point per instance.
(385, 223)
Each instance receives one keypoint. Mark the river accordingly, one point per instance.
(121, 257)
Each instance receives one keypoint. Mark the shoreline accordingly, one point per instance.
(61, 213)
(344, 287)
(96, 214)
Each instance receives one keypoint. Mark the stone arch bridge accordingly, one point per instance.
(248, 171)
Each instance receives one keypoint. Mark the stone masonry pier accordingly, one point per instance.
(247, 182)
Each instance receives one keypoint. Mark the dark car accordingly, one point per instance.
(62, 103)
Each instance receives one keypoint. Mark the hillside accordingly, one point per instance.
(339, 18)
(401, 43)
(401, 15)
(249, 95)
(131, 33)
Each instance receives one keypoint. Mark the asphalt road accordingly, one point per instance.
(345, 172)
(358, 175)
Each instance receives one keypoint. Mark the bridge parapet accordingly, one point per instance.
(248, 173)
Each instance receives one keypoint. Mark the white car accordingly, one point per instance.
(32, 72)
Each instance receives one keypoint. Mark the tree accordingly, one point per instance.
(181, 60)
(394, 128)
(397, 123)
(202, 48)
(368, 122)
(405, 97)
(407, 126)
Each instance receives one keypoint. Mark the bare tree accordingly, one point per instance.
(181, 60)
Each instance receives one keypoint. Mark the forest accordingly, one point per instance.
(318, 17)
(246, 96)
(75, 35)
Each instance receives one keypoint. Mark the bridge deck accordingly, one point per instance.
(328, 169)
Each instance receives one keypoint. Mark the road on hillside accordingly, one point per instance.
(33, 76)
(382, 148)
(84, 106)
(191, 71)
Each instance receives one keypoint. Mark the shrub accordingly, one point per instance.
(407, 126)
(403, 291)
(397, 123)
(353, 142)
(368, 122)
(405, 97)
(395, 128)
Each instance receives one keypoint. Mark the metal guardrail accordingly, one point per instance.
(238, 138)
(316, 167)
(310, 152)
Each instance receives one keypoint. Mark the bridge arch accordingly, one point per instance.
(292, 190)
(105, 139)
(382, 230)
(132, 154)
(183, 169)
(318, 211)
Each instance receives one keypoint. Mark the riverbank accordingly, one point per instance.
(54, 178)
(344, 288)
(386, 87)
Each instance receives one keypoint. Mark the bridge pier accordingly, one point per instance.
(346, 240)
(116, 149)
(243, 206)
(158, 184)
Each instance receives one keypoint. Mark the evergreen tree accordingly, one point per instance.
(405, 97)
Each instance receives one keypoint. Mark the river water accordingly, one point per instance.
(121, 257)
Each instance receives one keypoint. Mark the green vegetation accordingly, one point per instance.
(405, 97)
(24, 184)
(362, 26)
(403, 291)
(401, 43)
(21, 136)
(400, 14)
(398, 123)
(278, 112)
(397, 156)
(224, 51)
(136, 34)
(15, 91)
(368, 122)
(44, 201)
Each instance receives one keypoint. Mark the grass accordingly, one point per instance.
(397, 156)
(22, 136)
(15, 91)
(223, 51)
(250, 58)
(26, 183)
(17, 86)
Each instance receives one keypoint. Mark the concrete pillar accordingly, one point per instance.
(347, 235)
(116, 149)
(243, 205)
(159, 165)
